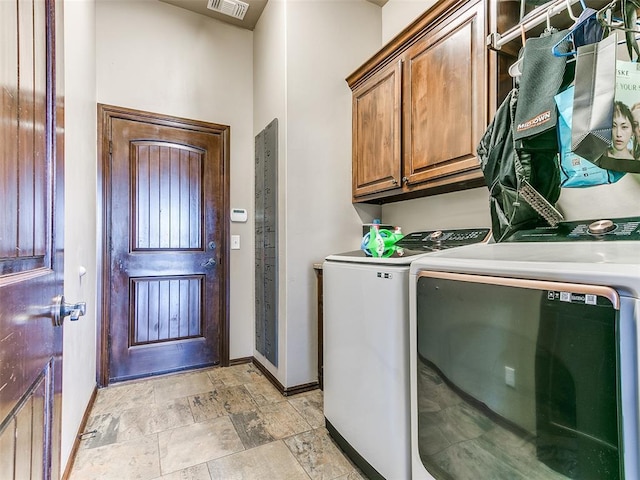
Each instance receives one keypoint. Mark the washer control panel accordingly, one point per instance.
(432, 240)
(583, 230)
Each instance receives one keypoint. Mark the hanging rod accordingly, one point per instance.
(496, 40)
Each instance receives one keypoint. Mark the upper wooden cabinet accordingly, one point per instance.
(445, 101)
(421, 105)
(376, 132)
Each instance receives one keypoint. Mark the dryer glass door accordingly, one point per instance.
(517, 379)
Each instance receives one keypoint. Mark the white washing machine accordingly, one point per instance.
(524, 356)
(366, 358)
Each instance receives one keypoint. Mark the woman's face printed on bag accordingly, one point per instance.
(623, 131)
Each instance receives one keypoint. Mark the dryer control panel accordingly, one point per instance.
(583, 230)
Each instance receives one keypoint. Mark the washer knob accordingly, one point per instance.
(435, 235)
(601, 227)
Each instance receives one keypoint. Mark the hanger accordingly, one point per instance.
(587, 23)
(606, 18)
(549, 29)
(587, 15)
(630, 19)
(570, 11)
(628, 23)
(515, 70)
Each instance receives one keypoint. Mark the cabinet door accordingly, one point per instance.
(445, 109)
(376, 132)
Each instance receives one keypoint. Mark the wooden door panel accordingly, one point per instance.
(376, 132)
(167, 189)
(26, 146)
(167, 272)
(446, 111)
(22, 443)
(179, 297)
(31, 133)
(374, 108)
(441, 88)
(8, 133)
(23, 225)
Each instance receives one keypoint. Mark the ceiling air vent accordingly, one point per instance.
(233, 8)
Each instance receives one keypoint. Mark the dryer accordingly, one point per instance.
(524, 356)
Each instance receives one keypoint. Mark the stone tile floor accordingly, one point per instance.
(216, 424)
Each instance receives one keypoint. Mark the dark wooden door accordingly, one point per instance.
(31, 248)
(167, 212)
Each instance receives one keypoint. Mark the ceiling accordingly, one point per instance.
(248, 22)
(200, 6)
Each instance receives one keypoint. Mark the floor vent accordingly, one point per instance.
(233, 8)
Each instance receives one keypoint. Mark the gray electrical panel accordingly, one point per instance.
(266, 229)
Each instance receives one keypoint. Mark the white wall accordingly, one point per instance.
(160, 58)
(79, 367)
(316, 47)
(470, 208)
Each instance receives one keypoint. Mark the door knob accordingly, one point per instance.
(209, 263)
(60, 309)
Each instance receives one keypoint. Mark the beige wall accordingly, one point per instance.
(397, 14)
(466, 209)
(323, 48)
(270, 101)
(303, 52)
(79, 367)
(156, 57)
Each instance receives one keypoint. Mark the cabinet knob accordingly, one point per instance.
(394, 181)
(405, 180)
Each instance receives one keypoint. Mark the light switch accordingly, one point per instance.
(235, 242)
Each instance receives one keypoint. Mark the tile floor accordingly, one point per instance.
(220, 423)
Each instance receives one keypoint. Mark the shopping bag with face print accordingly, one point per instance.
(624, 153)
(593, 99)
(607, 92)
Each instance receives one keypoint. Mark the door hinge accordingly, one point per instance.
(110, 147)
